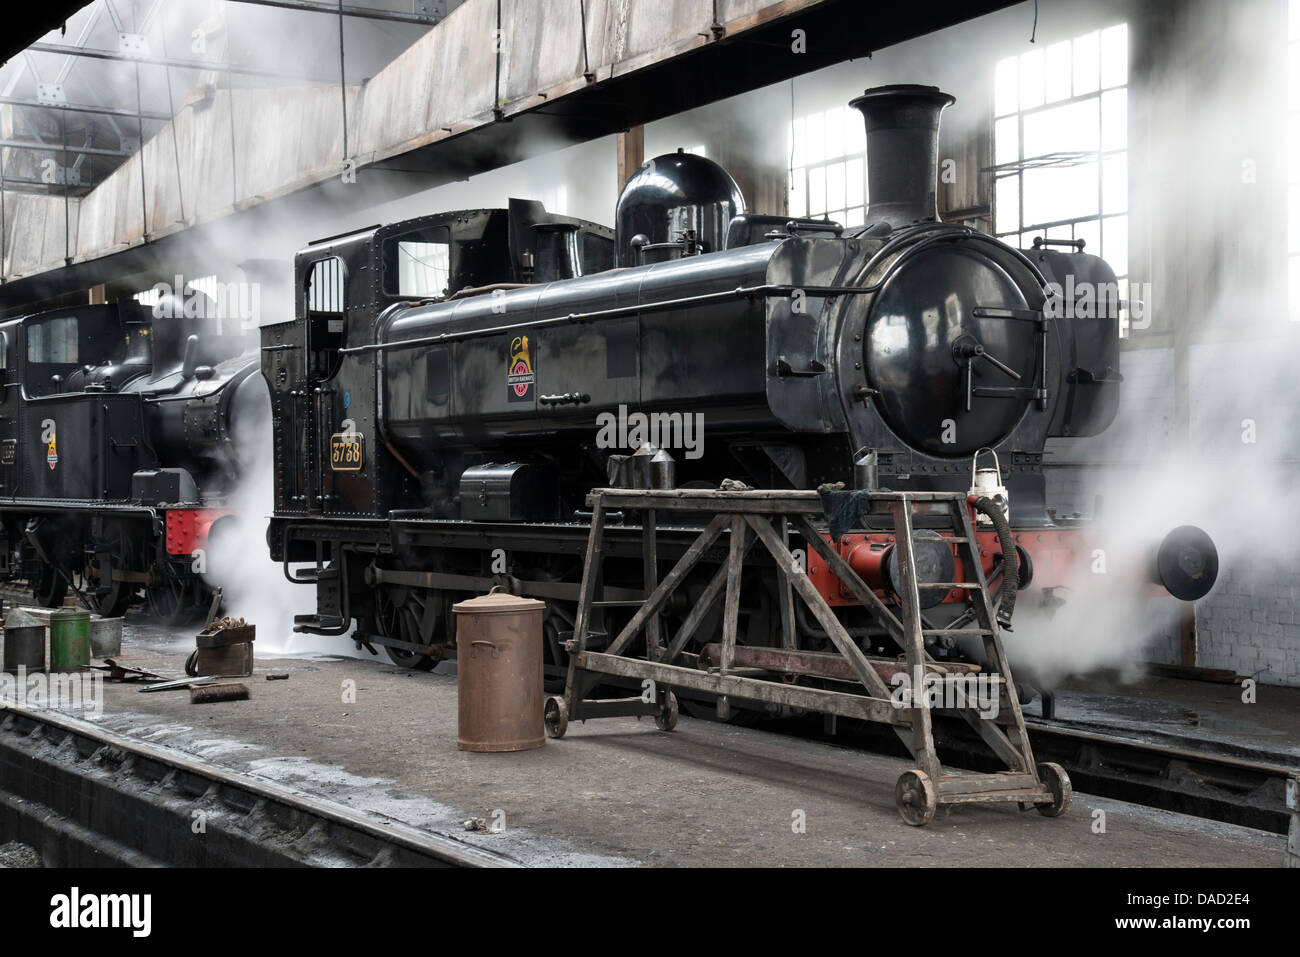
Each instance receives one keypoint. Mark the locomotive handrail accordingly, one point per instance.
(664, 305)
(740, 292)
(951, 234)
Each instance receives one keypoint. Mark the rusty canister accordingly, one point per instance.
(105, 637)
(24, 643)
(69, 639)
(499, 664)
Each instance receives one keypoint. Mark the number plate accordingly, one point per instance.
(347, 451)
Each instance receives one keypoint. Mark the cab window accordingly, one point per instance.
(326, 316)
(417, 265)
(53, 341)
(52, 350)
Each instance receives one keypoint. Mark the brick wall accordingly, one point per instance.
(1249, 622)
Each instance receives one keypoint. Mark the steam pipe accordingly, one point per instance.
(1010, 559)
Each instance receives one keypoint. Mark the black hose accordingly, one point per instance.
(1010, 559)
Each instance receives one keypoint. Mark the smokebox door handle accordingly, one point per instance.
(473, 653)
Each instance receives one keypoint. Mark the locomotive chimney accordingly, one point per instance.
(902, 151)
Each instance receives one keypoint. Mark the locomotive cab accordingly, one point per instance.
(60, 349)
(80, 437)
(323, 407)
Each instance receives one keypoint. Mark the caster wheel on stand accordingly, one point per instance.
(1058, 782)
(556, 716)
(666, 716)
(914, 794)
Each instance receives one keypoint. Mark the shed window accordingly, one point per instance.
(828, 166)
(1060, 136)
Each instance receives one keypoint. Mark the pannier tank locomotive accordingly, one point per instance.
(452, 387)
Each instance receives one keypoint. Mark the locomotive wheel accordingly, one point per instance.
(172, 600)
(49, 587)
(395, 617)
(111, 602)
(1058, 782)
(409, 659)
(110, 550)
(666, 716)
(914, 794)
(115, 602)
(556, 716)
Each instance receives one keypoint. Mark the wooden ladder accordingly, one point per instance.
(920, 792)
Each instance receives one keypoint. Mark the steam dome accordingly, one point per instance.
(676, 204)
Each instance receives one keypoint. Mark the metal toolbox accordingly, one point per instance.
(507, 492)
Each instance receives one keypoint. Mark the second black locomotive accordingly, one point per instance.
(124, 428)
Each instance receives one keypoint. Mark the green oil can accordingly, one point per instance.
(69, 639)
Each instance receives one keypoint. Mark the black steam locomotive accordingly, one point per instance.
(119, 443)
(453, 386)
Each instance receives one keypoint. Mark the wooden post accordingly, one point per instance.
(650, 572)
(631, 154)
(1293, 834)
(1187, 633)
(98, 295)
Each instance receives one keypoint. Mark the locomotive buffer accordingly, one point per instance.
(768, 675)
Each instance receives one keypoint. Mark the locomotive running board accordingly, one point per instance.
(641, 650)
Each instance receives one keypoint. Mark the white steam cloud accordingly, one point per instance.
(253, 586)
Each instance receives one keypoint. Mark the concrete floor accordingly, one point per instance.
(617, 791)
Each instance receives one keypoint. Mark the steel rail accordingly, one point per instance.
(1243, 788)
(425, 847)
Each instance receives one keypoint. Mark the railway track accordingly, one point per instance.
(1232, 784)
(89, 797)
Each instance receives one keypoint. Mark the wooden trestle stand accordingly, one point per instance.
(768, 517)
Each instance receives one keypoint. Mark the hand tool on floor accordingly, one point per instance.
(214, 692)
(185, 683)
(120, 672)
